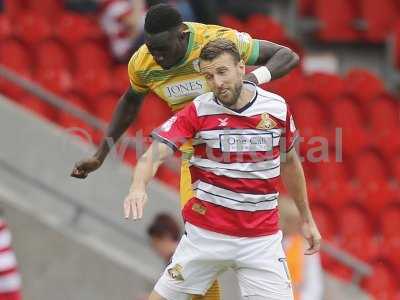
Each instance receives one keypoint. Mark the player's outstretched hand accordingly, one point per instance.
(84, 167)
(134, 204)
(313, 237)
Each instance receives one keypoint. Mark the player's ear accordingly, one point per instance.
(242, 66)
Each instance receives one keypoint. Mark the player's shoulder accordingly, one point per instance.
(141, 59)
(202, 103)
(207, 32)
(272, 102)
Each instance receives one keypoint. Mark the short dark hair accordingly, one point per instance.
(216, 47)
(161, 17)
(164, 225)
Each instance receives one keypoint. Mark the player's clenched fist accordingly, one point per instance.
(84, 167)
(134, 204)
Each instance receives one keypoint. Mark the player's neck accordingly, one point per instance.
(245, 97)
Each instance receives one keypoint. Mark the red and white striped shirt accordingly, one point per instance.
(10, 279)
(236, 161)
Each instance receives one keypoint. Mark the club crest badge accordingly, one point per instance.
(266, 122)
(176, 272)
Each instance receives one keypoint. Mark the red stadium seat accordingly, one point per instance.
(92, 83)
(354, 221)
(120, 79)
(396, 168)
(382, 284)
(390, 249)
(289, 86)
(33, 28)
(363, 85)
(390, 221)
(347, 116)
(306, 8)
(325, 87)
(383, 113)
(336, 193)
(374, 195)
(308, 112)
(57, 80)
(146, 122)
(12, 7)
(380, 17)
(39, 107)
(104, 106)
(263, 27)
(336, 19)
(52, 54)
(232, 22)
(169, 176)
(47, 8)
(74, 125)
(5, 27)
(387, 141)
(324, 220)
(367, 161)
(72, 29)
(11, 90)
(361, 245)
(13, 54)
(91, 55)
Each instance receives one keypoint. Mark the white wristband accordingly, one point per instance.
(262, 74)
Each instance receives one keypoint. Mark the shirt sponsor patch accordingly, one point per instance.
(246, 142)
(184, 89)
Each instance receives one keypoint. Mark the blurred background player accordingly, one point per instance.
(10, 279)
(232, 218)
(164, 233)
(305, 270)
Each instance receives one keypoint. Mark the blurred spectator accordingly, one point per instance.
(305, 270)
(122, 21)
(165, 234)
(10, 280)
(241, 9)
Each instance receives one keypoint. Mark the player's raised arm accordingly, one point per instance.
(274, 60)
(123, 116)
(145, 170)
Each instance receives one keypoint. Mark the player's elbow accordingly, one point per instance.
(291, 57)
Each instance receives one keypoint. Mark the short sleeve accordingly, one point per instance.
(178, 129)
(290, 132)
(133, 66)
(248, 47)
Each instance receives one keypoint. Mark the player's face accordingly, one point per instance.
(224, 77)
(167, 48)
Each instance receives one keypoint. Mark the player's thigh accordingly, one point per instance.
(191, 272)
(262, 272)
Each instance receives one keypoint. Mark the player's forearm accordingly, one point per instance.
(282, 62)
(293, 177)
(148, 165)
(123, 116)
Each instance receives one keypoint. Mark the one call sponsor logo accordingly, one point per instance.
(185, 89)
(246, 142)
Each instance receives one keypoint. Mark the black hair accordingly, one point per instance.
(164, 225)
(162, 17)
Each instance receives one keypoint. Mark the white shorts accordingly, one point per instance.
(202, 255)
